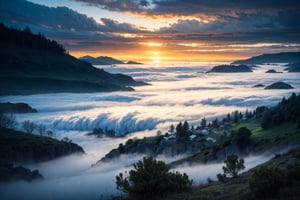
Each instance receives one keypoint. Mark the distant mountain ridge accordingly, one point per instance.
(101, 60)
(105, 60)
(284, 57)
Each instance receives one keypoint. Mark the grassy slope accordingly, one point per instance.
(267, 141)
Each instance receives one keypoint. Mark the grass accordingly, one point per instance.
(259, 133)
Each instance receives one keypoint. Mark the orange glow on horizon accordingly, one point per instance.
(158, 57)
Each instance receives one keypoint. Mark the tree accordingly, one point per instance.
(233, 165)
(236, 117)
(179, 129)
(172, 128)
(42, 129)
(28, 126)
(7, 120)
(266, 180)
(241, 137)
(203, 123)
(151, 178)
(185, 127)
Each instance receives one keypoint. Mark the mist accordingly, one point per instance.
(178, 92)
(73, 177)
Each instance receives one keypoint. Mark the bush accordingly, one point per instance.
(233, 165)
(266, 180)
(28, 126)
(242, 137)
(151, 178)
(221, 177)
(7, 120)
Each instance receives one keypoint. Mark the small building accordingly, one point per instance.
(210, 139)
(192, 137)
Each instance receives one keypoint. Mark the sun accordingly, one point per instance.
(156, 59)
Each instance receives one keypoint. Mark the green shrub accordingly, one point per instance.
(233, 165)
(266, 180)
(152, 178)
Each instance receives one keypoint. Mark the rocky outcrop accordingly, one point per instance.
(279, 85)
(20, 147)
(8, 172)
(272, 71)
(230, 69)
(16, 108)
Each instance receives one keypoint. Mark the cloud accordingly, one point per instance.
(58, 18)
(110, 25)
(193, 7)
(244, 22)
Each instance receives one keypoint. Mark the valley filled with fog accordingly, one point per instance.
(177, 92)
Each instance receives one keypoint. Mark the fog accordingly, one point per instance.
(73, 177)
(178, 92)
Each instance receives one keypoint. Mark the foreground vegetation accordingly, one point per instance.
(265, 131)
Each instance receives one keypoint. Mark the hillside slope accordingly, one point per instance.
(36, 63)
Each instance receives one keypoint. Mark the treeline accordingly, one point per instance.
(288, 110)
(25, 38)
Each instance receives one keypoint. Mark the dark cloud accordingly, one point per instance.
(244, 22)
(60, 17)
(110, 25)
(57, 18)
(192, 7)
(222, 15)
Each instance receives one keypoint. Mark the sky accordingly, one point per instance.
(162, 30)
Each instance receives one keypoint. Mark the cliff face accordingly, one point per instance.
(20, 147)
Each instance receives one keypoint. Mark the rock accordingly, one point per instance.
(272, 71)
(259, 85)
(230, 69)
(279, 85)
(16, 108)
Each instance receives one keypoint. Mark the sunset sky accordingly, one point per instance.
(162, 30)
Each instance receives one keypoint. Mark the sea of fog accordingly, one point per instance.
(177, 92)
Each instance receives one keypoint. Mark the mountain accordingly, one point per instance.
(101, 60)
(293, 67)
(285, 57)
(34, 64)
(133, 63)
(230, 69)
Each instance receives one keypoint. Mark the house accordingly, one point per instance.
(210, 139)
